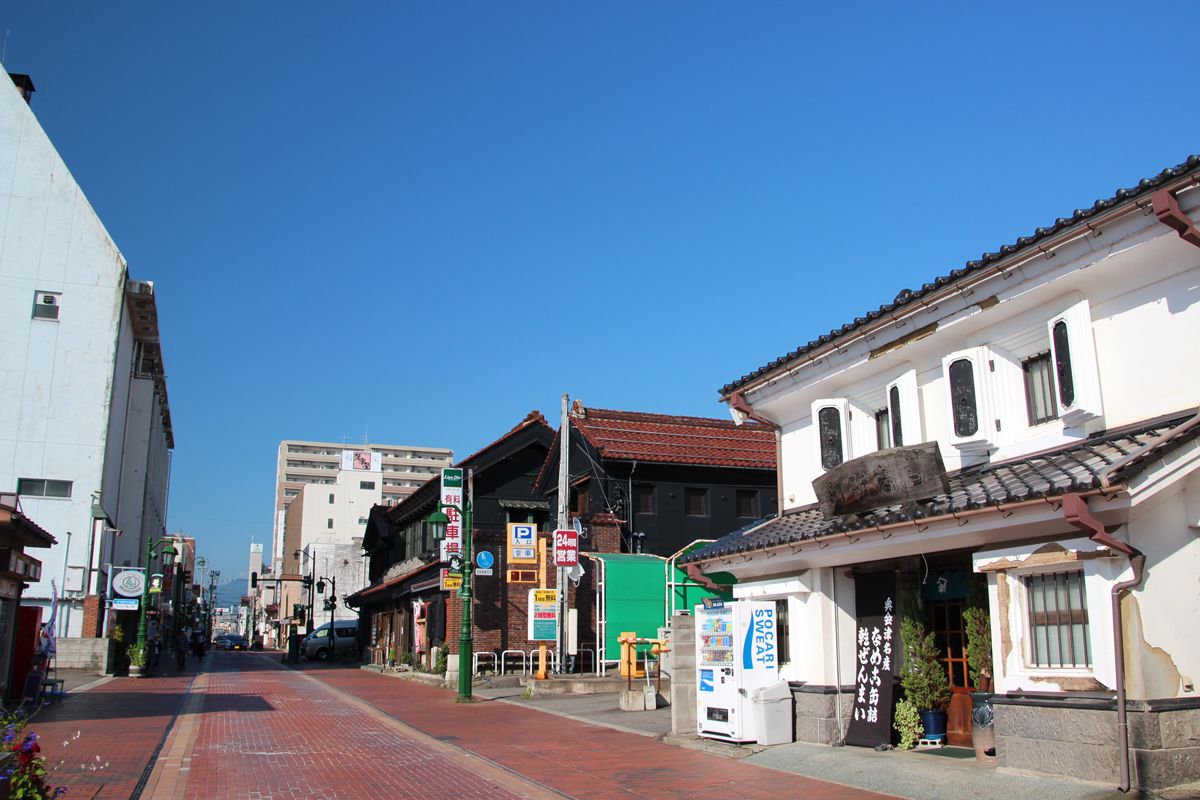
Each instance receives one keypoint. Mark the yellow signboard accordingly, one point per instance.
(451, 580)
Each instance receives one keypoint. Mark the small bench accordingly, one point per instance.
(53, 688)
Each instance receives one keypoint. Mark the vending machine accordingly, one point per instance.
(736, 653)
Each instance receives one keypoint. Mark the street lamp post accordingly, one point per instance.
(168, 554)
(438, 519)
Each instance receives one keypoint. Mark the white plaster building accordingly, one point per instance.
(1056, 378)
(85, 426)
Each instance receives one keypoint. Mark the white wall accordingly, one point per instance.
(1141, 291)
(68, 408)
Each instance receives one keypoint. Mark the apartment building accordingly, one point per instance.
(301, 463)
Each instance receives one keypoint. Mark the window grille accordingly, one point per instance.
(894, 413)
(1039, 389)
(962, 393)
(695, 502)
(1062, 364)
(1058, 620)
(830, 425)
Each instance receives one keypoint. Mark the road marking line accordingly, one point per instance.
(169, 778)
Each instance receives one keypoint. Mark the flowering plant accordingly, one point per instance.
(24, 767)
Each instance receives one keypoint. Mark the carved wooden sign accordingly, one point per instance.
(883, 478)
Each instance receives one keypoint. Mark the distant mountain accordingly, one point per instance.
(230, 593)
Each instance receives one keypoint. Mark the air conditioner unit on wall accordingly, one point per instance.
(45, 305)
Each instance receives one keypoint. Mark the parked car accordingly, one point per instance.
(232, 641)
(316, 645)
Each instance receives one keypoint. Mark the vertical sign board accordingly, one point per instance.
(452, 495)
(543, 615)
(871, 720)
(566, 548)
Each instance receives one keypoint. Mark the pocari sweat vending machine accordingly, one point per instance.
(736, 653)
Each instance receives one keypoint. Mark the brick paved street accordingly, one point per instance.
(252, 729)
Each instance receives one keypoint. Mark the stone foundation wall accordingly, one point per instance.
(1082, 742)
(816, 713)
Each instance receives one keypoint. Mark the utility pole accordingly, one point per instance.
(564, 452)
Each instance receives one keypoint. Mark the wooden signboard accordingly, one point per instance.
(883, 478)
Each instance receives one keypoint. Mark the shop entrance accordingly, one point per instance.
(946, 623)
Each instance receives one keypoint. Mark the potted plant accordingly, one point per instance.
(137, 660)
(978, 625)
(907, 722)
(924, 678)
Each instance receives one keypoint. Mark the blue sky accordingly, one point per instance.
(423, 220)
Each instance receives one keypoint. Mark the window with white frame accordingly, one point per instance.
(883, 429)
(1057, 620)
(1040, 404)
(1073, 350)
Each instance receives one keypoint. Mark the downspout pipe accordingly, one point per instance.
(1077, 513)
(738, 403)
(1166, 208)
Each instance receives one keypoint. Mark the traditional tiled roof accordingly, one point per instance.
(630, 436)
(1098, 462)
(667, 439)
(908, 296)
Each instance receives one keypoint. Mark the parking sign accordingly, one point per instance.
(522, 543)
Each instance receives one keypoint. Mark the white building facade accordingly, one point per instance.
(85, 425)
(1055, 377)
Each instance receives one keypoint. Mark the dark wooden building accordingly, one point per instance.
(665, 481)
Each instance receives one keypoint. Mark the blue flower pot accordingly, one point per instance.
(934, 723)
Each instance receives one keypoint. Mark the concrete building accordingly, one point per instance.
(1018, 436)
(85, 424)
(302, 463)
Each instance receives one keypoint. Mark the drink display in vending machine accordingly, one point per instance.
(736, 653)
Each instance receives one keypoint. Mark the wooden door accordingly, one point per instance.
(950, 635)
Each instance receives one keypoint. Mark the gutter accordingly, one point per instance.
(1077, 514)
(738, 403)
(1167, 209)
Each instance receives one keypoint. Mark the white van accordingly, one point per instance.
(317, 645)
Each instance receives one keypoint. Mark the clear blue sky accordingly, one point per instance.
(427, 219)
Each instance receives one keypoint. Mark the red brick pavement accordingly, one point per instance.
(582, 761)
(266, 732)
(98, 743)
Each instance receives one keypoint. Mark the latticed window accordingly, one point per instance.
(1058, 620)
(1039, 389)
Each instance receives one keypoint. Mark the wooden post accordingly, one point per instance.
(541, 552)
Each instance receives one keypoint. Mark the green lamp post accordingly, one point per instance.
(168, 555)
(438, 520)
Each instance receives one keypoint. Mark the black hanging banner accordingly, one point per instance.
(871, 720)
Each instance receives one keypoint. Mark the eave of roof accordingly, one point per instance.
(908, 297)
(1101, 463)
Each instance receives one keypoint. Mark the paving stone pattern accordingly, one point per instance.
(576, 759)
(269, 733)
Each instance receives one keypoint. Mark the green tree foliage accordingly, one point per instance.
(923, 678)
(907, 723)
(978, 624)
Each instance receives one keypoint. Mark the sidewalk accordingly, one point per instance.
(574, 758)
(947, 774)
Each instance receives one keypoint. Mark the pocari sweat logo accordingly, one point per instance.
(758, 650)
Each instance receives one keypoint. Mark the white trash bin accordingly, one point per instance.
(773, 716)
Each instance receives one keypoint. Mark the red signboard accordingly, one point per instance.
(566, 548)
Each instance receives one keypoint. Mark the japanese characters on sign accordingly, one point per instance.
(543, 615)
(522, 543)
(871, 719)
(566, 548)
(452, 501)
(451, 580)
